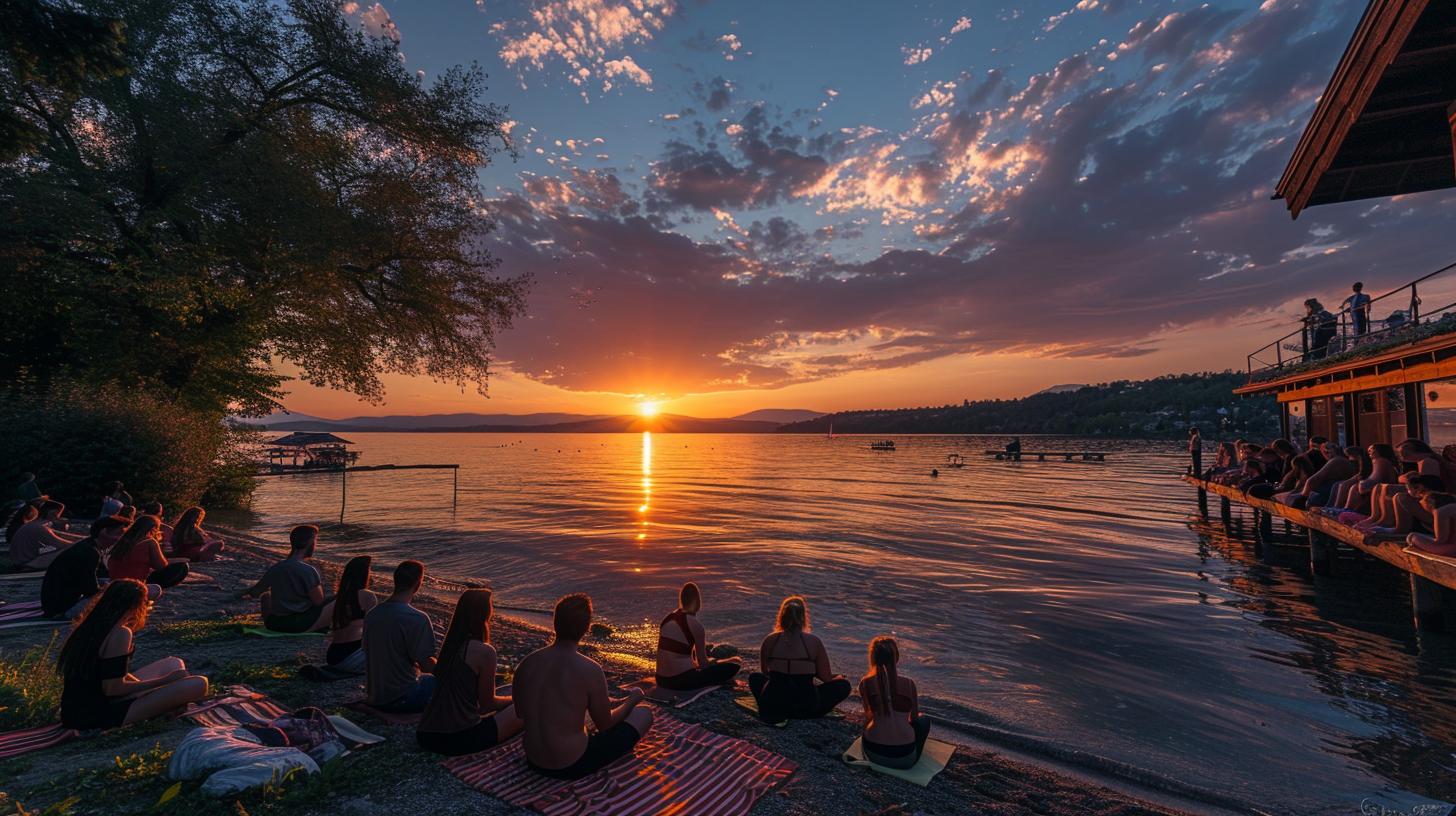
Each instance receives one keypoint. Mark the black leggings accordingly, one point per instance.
(902, 757)
(170, 575)
(717, 673)
(795, 696)
(478, 737)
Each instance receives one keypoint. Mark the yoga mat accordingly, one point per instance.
(751, 706)
(321, 673)
(260, 631)
(25, 613)
(30, 575)
(391, 717)
(15, 743)
(932, 761)
(240, 705)
(675, 768)
(671, 697)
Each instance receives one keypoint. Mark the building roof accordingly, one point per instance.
(298, 440)
(1382, 127)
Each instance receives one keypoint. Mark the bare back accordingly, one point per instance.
(554, 689)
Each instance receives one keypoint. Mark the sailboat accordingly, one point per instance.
(830, 435)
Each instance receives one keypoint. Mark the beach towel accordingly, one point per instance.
(15, 743)
(675, 768)
(29, 575)
(391, 717)
(671, 697)
(261, 631)
(932, 761)
(240, 705)
(25, 613)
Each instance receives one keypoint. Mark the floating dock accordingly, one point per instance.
(1041, 456)
(1432, 577)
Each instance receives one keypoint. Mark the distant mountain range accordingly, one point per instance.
(761, 421)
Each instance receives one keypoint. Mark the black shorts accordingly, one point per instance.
(478, 737)
(601, 750)
(293, 622)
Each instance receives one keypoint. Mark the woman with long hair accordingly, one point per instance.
(190, 541)
(894, 733)
(465, 715)
(138, 555)
(346, 627)
(682, 648)
(98, 690)
(794, 680)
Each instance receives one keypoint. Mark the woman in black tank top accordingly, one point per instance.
(795, 680)
(465, 714)
(98, 690)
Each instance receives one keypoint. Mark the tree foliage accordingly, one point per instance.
(262, 184)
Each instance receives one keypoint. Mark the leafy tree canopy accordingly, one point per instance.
(262, 182)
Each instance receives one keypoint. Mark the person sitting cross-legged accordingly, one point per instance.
(795, 680)
(557, 687)
(291, 593)
(682, 648)
(466, 714)
(399, 647)
(78, 574)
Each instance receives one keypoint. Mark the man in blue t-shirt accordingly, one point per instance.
(1359, 306)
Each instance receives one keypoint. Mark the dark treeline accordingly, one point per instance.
(1162, 407)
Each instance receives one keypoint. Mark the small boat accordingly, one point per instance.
(886, 445)
(830, 435)
(955, 460)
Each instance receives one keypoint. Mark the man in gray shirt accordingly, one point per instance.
(399, 647)
(291, 593)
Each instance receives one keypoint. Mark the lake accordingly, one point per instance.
(1077, 605)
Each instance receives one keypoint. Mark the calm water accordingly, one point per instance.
(1075, 604)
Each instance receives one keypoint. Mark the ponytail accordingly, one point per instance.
(884, 654)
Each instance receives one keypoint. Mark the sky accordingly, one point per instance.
(725, 206)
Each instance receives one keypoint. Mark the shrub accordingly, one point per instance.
(76, 439)
(30, 687)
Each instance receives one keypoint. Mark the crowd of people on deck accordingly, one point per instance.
(105, 582)
(1406, 489)
(1321, 326)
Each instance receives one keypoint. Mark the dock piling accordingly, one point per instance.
(1322, 553)
(1202, 503)
(343, 493)
(1224, 511)
(1427, 604)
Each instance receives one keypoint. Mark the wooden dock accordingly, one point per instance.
(1041, 456)
(1432, 577)
(345, 471)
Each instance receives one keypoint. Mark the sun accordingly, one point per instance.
(648, 409)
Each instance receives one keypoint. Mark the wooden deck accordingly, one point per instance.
(1432, 576)
(1041, 456)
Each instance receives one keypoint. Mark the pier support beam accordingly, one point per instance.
(1224, 511)
(1322, 553)
(1428, 604)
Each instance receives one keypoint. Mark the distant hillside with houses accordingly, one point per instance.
(1162, 407)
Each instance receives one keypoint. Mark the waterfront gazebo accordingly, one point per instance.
(1386, 123)
(309, 451)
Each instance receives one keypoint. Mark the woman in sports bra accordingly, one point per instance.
(790, 661)
(346, 630)
(98, 690)
(894, 733)
(682, 648)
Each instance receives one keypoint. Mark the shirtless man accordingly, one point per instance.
(1442, 507)
(555, 687)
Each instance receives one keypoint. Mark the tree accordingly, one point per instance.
(261, 184)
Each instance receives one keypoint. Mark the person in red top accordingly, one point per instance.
(138, 555)
(682, 648)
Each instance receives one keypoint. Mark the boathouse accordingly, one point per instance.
(1385, 126)
(309, 451)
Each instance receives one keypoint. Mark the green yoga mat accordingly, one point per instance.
(269, 633)
(932, 761)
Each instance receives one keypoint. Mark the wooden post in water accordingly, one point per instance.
(343, 492)
(1426, 604)
(1266, 524)
(1322, 552)
(455, 491)
(1224, 512)
(1202, 502)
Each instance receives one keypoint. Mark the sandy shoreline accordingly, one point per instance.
(193, 622)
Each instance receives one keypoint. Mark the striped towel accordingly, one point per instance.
(15, 743)
(237, 705)
(676, 769)
(19, 611)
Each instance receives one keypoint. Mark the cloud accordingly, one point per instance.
(585, 36)
(374, 19)
(963, 24)
(768, 164)
(916, 55)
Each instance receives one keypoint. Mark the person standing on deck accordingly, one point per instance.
(1195, 451)
(1359, 306)
(1319, 329)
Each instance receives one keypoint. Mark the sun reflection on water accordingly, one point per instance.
(646, 485)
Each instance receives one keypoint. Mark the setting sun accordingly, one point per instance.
(648, 409)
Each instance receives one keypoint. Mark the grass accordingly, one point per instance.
(30, 687)
(192, 632)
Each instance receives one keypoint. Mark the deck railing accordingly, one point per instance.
(1317, 340)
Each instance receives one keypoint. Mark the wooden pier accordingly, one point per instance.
(1041, 456)
(344, 480)
(1432, 577)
